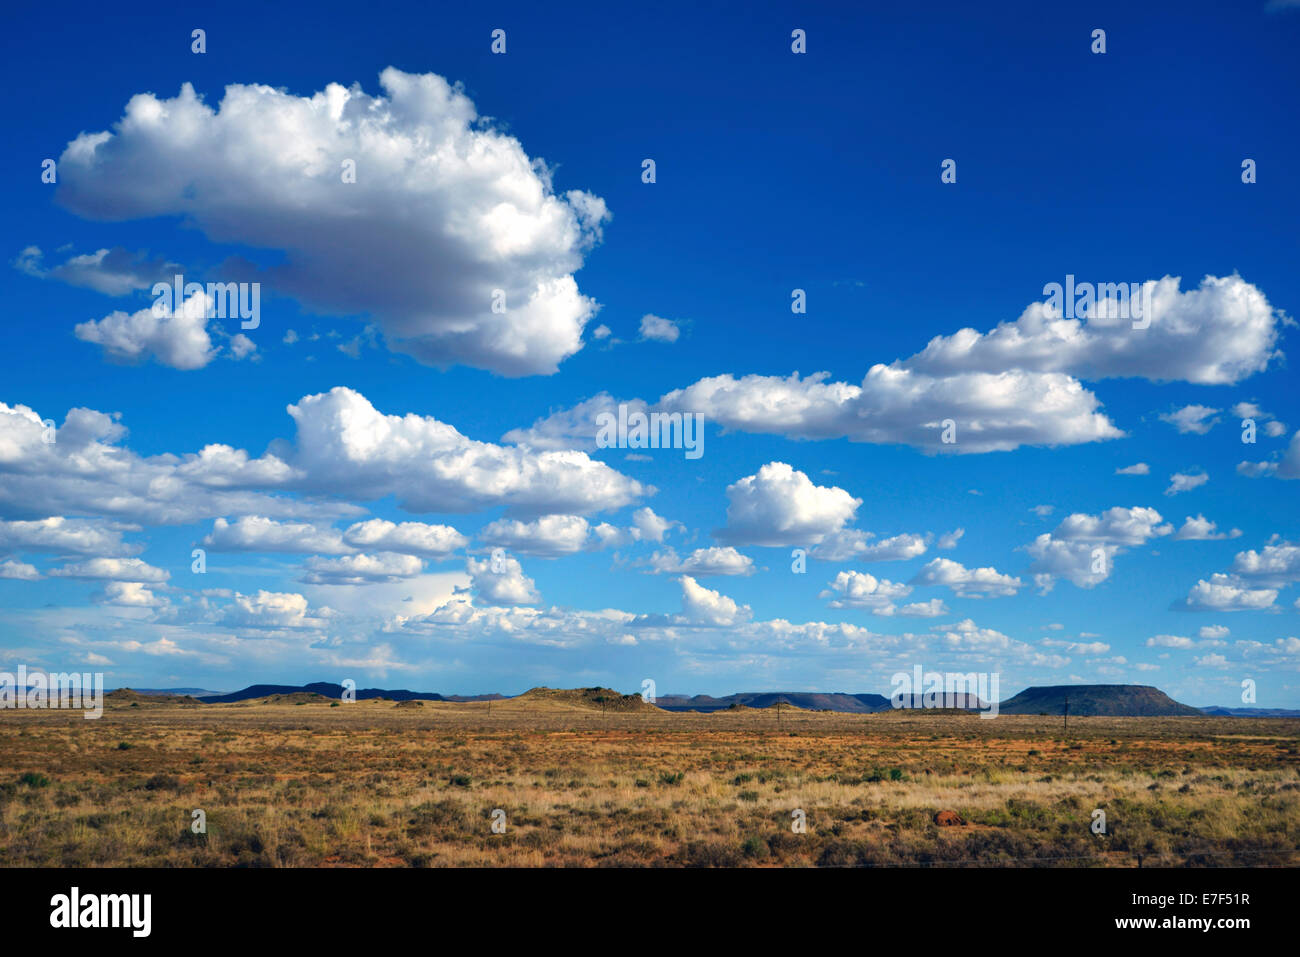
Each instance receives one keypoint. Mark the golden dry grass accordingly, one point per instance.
(372, 784)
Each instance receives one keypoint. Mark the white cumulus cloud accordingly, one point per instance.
(446, 218)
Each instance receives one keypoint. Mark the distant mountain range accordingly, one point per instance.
(1251, 712)
(1083, 700)
(336, 691)
(808, 700)
(200, 693)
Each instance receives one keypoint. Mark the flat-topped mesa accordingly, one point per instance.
(1141, 701)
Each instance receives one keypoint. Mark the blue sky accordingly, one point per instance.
(774, 171)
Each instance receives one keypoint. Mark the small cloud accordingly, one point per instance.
(1256, 469)
(113, 272)
(19, 571)
(951, 539)
(1185, 482)
(657, 329)
(1194, 419)
(241, 346)
(1141, 468)
(1202, 529)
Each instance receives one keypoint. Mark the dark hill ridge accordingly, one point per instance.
(808, 700)
(131, 696)
(1223, 712)
(187, 692)
(329, 690)
(1101, 700)
(1141, 701)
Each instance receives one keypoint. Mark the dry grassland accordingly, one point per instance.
(374, 784)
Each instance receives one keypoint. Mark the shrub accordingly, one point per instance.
(438, 815)
(710, 854)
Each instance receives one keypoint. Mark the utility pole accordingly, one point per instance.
(778, 715)
(1067, 715)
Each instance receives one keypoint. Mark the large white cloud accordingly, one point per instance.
(256, 533)
(177, 338)
(267, 610)
(1217, 334)
(82, 536)
(723, 560)
(409, 538)
(345, 449)
(990, 411)
(708, 607)
(1275, 565)
(780, 505)
(1252, 583)
(1117, 526)
(346, 446)
(853, 544)
(445, 209)
(548, 536)
(1083, 547)
(82, 468)
(967, 582)
(112, 569)
(130, 595)
(853, 589)
(362, 569)
(1016, 385)
(1226, 593)
(501, 581)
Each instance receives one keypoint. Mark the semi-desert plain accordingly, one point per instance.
(581, 779)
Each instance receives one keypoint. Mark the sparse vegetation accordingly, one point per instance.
(311, 783)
